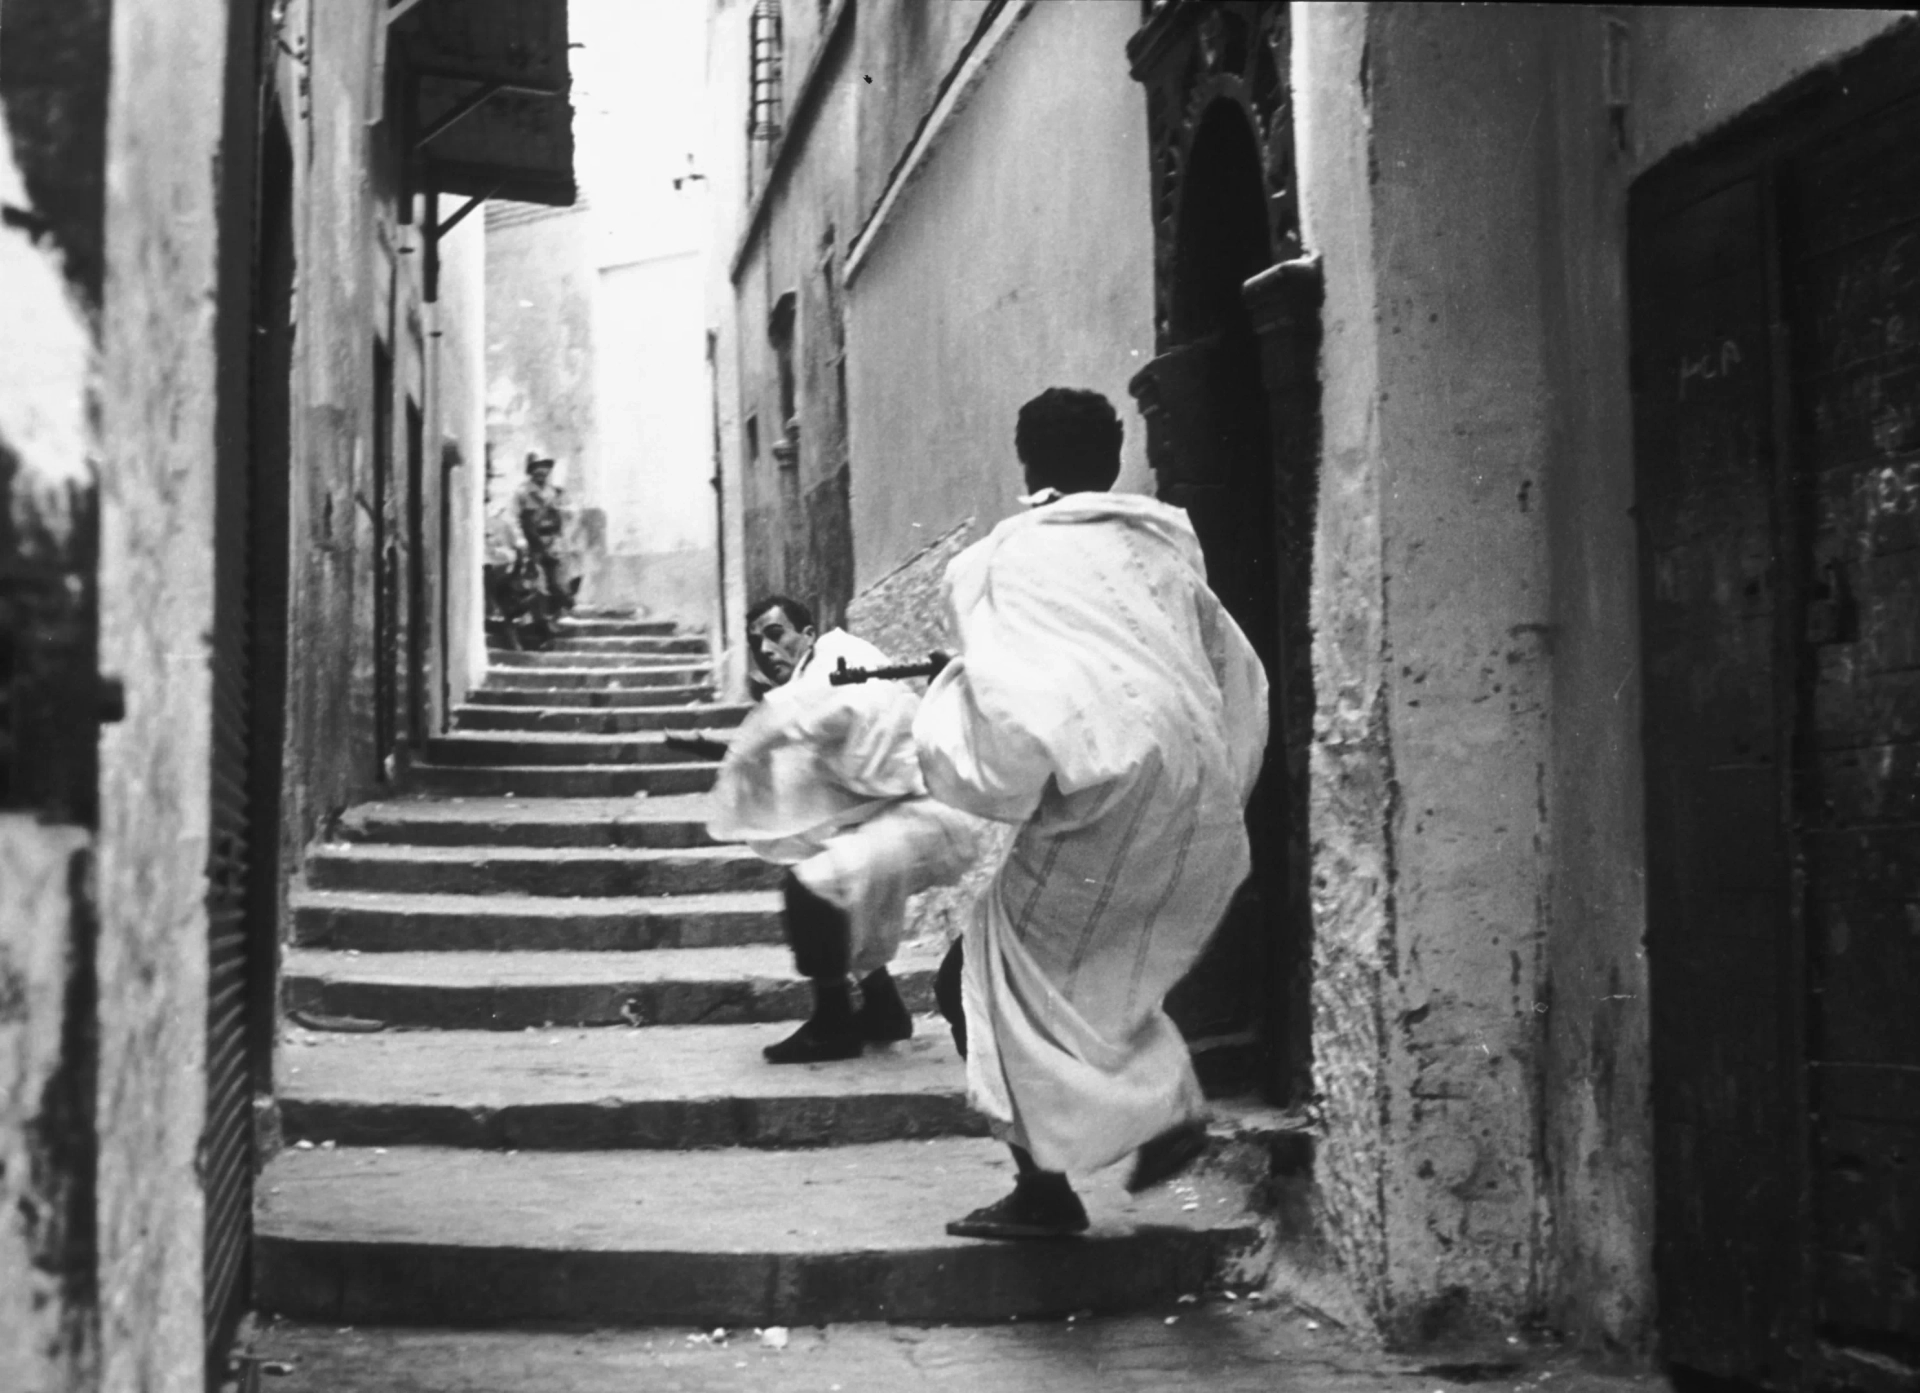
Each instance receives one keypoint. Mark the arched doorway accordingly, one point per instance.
(1224, 447)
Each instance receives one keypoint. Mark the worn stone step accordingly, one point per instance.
(597, 720)
(508, 660)
(371, 922)
(554, 677)
(602, 618)
(668, 1087)
(1220, 1344)
(677, 820)
(518, 991)
(684, 696)
(570, 642)
(523, 870)
(561, 781)
(553, 747)
(737, 1237)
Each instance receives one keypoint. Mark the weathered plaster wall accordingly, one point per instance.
(791, 540)
(1430, 819)
(655, 438)
(356, 282)
(460, 395)
(726, 99)
(157, 444)
(1597, 1143)
(1480, 997)
(1352, 796)
(978, 290)
(910, 50)
(1695, 67)
(1465, 435)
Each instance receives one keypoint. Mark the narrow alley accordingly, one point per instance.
(876, 695)
(466, 1146)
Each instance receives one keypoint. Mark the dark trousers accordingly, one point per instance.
(946, 995)
(817, 931)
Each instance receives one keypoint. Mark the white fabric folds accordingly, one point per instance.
(1105, 700)
(824, 779)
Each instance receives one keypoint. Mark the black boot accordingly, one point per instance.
(830, 1033)
(1042, 1205)
(883, 1017)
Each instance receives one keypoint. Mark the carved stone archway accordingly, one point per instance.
(1231, 403)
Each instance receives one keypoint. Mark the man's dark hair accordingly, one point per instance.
(1069, 439)
(797, 614)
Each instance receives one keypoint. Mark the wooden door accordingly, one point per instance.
(1851, 260)
(1776, 324)
(1721, 932)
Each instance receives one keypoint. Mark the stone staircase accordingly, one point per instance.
(518, 1075)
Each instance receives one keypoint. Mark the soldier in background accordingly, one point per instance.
(542, 509)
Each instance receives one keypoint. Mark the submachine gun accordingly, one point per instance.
(842, 675)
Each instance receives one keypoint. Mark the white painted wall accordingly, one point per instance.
(1034, 200)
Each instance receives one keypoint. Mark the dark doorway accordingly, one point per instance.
(1206, 390)
(1232, 407)
(386, 567)
(1776, 331)
(418, 602)
(250, 690)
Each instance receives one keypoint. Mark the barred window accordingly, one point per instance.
(763, 116)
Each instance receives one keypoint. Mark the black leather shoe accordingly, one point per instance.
(1031, 1211)
(814, 1043)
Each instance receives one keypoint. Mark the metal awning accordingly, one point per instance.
(481, 89)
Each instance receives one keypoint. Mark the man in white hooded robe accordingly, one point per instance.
(822, 778)
(1105, 701)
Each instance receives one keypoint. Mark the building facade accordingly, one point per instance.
(256, 349)
(1394, 289)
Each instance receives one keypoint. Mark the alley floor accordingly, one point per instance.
(1214, 1344)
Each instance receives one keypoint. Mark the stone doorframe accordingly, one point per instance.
(1202, 61)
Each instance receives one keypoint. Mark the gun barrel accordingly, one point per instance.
(843, 675)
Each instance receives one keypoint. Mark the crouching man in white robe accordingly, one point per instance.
(823, 779)
(1104, 700)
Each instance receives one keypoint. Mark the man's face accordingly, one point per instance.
(540, 473)
(777, 646)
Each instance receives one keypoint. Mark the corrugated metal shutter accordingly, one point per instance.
(226, 1145)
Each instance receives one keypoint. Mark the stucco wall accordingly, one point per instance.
(1429, 806)
(655, 437)
(460, 394)
(909, 49)
(157, 445)
(357, 280)
(1465, 438)
(1021, 257)
(1597, 1154)
(726, 101)
(1480, 995)
(1696, 67)
(808, 218)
